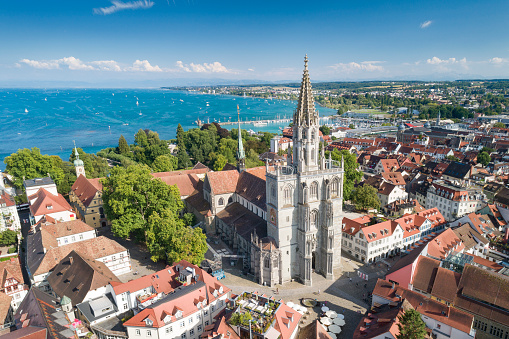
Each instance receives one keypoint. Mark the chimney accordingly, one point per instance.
(44, 250)
(393, 285)
(71, 260)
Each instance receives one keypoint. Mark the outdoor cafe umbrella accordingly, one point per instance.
(331, 314)
(326, 321)
(341, 316)
(339, 322)
(332, 335)
(334, 329)
(325, 308)
(290, 304)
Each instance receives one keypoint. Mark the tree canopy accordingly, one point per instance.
(164, 163)
(145, 207)
(8, 238)
(30, 164)
(499, 125)
(411, 326)
(483, 158)
(352, 174)
(365, 197)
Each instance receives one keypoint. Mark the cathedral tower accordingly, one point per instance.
(305, 200)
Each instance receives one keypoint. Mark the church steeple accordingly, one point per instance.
(306, 137)
(241, 156)
(305, 115)
(78, 164)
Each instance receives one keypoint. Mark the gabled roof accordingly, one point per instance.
(427, 307)
(76, 275)
(287, 319)
(162, 281)
(395, 178)
(86, 189)
(186, 183)
(458, 170)
(5, 306)
(222, 182)
(6, 199)
(243, 220)
(252, 188)
(10, 269)
(425, 273)
(48, 203)
(66, 228)
(443, 244)
(43, 259)
(184, 299)
(39, 309)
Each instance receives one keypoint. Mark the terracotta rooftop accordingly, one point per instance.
(86, 189)
(222, 182)
(47, 203)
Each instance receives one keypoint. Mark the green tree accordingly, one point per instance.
(452, 158)
(123, 147)
(30, 164)
(169, 238)
(131, 195)
(164, 163)
(219, 162)
(182, 156)
(252, 159)
(499, 125)
(351, 126)
(352, 174)
(95, 166)
(325, 129)
(141, 139)
(364, 197)
(411, 325)
(483, 158)
(8, 238)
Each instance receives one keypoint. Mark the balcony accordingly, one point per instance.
(252, 308)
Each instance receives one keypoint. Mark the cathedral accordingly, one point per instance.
(304, 201)
(284, 221)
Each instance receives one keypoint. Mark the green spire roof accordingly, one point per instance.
(65, 300)
(240, 152)
(77, 162)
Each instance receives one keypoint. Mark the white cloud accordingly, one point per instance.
(50, 64)
(121, 6)
(426, 24)
(215, 67)
(437, 61)
(250, 69)
(144, 66)
(75, 64)
(368, 66)
(107, 65)
(498, 61)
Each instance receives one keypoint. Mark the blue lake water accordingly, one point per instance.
(95, 118)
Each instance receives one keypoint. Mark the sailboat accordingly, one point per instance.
(137, 103)
(26, 110)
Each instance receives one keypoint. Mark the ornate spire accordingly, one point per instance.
(241, 156)
(305, 115)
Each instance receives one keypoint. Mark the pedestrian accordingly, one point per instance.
(350, 279)
(318, 291)
(277, 290)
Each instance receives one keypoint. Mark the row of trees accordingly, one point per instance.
(30, 164)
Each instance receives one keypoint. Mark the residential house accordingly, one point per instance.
(9, 218)
(45, 203)
(12, 282)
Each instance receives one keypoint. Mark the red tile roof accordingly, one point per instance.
(444, 243)
(426, 306)
(48, 203)
(223, 182)
(86, 189)
(186, 183)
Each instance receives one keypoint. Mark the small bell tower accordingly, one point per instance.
(78, 164)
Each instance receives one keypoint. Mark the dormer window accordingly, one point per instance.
(178, 314)
(148, 322)
(167, 319)
(221, 289)
(49, 207)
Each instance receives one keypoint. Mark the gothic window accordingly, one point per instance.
(230, 200)
(288, 192)
(220, 202)
(335, 187)
(313, 219)
(312, 154)
(273, 190)
(313, 191)
(312, 134)
(267, 262)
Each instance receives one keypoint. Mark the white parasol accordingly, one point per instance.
(326, 321)
(325, 308)
(332, 335)
(334, 329)
(341, 316)
(331, 314)
(339, 322)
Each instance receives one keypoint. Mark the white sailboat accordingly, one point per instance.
(26, 110)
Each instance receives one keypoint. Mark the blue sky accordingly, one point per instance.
(157, 40)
